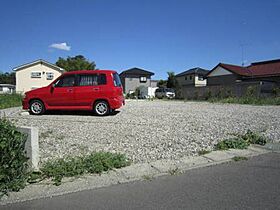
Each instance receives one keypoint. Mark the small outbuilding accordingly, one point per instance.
(7, 88)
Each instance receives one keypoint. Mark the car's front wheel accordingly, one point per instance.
(36, 107)
(101, 108)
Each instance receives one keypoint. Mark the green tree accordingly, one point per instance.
(161, 83)
(78, 62)
(7, 78)
(172, 81)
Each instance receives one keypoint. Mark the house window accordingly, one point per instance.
(36, 74)
(1, 89)
(49, 75)
(186, 78)
(200, 78)
(143, 79)
(191, 77)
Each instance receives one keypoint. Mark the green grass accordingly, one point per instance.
(95, 163)
(10, 100)
(247, 100)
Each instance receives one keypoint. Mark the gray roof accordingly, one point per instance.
(36, 62)
(7, 85)
(196, 70)
(137, 71)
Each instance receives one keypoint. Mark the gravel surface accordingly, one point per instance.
(148, 130)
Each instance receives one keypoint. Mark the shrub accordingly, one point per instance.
(13, 160)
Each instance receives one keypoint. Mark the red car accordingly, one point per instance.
(97, 90)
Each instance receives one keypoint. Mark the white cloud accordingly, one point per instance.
(61, 46)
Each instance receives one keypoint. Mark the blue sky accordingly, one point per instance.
(156, 35)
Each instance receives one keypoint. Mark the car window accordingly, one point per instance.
(169, 90)
(102, 79)
(67, 81)
(92, 79)
(117, 80)
(88, 80)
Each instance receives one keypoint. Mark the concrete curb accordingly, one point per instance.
(144, 171)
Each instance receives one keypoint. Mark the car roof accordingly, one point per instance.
(89, 72)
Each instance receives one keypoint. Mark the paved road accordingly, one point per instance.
(252, 184)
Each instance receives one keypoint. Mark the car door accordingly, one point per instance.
(62, 94)
(89, 88)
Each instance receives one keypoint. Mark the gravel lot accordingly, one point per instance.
(148, 130)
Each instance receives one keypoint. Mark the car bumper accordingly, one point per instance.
(25, 104)
(116, 103)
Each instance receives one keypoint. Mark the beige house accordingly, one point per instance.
(36, 74)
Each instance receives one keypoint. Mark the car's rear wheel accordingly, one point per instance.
(101, 108)
(36, 107)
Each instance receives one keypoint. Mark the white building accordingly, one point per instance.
(6, 88)
(36, 74)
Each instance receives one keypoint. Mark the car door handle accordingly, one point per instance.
(95, 89)
(70, 90)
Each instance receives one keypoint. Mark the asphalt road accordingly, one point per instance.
(251, 184)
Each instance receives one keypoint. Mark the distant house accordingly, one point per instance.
(36, 74)
(227, 74)
(7, 88)
(136, 77)
(193, 77)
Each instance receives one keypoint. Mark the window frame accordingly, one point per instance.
(34, 72)
(47, 75)
(143, 81)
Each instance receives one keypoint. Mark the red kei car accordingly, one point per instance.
(98, 90)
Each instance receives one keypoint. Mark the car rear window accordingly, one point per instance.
(117, 80)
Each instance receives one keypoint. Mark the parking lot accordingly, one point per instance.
(148, 130)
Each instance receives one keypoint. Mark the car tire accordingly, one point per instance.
(36, 107)
(101, 108)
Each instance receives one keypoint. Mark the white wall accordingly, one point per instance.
(200, 83)
(24, 82)
(6, 90)
(219, 71)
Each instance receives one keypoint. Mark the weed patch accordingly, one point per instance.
(242, 141)
(203, 152)
(95, 163)
(174, 171)
(239, 158)
(233, 143)
(147, 178)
